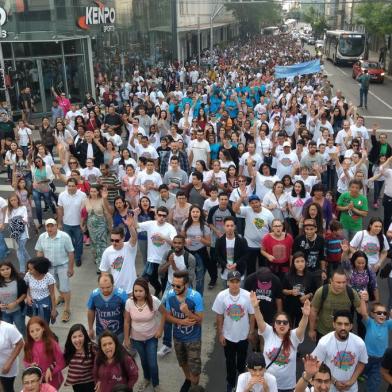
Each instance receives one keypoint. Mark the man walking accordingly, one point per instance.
(364, 81)
(69, 216)
(56, 245)
(234, 323)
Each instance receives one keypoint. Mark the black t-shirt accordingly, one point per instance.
(268, 288)
(7, 130)
(305, 285)
(313, 250)
(113, 119)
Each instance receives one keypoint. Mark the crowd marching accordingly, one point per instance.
(261, 184)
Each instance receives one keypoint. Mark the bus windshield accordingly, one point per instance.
(351, 46)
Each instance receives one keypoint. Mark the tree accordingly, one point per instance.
(253, 17)
(318, 22)
(376, 17)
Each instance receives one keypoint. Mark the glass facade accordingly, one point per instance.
(65, 44)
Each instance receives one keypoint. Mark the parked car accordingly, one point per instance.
(311, 40)
(376, 72)
(319, 44)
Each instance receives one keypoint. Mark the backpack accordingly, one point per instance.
(324, 295)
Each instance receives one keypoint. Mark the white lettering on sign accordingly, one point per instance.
(97, 15)
(3, 16)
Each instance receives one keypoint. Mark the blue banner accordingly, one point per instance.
(308, 67)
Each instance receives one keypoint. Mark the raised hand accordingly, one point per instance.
(306, 308)
(311, 364)
(253, 299)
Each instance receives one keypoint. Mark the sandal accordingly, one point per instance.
(59, 300)
(66, 316)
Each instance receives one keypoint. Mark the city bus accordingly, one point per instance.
(272, 30)
(342, 46)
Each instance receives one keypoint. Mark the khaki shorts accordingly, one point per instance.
(189, 353)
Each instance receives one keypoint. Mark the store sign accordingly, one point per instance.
(3, 20)
(98, 15)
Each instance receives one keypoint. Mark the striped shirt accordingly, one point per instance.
(110, 181)
(80, 370)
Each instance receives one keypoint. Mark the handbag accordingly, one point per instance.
(275, 357)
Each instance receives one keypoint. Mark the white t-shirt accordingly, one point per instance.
(236, 194)
(285, 163)
(308, 182)
(72, 206)
(208, 204)
(341, 357)
(257, 161)
(24, 134)
(147, 152)
(156, 247)
(369, 244)
(244, 378)
(144, 178)
(284, 367)
(257, 224)
(121, 264)
(229, 256)
(264, 184)
(235, 310)
(180, 265)
(297, 205)
(3, 204)
(9, 337)
(200, 150)
(280, 202)
(91, 174)
(220, 177)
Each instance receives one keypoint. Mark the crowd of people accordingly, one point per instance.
(261, 184)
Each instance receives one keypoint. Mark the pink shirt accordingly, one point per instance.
(45, 388)
(144, 324)
(41, 359)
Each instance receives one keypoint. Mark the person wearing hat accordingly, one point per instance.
(56, 245)
(234, 323)
(258, 221)
(256, 379)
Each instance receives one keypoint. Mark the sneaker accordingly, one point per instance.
(164, 350)
(186, 386)
(143, 385)
(212, 284)
(157, 388)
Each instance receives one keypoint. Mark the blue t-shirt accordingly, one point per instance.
(109, 312)
(376, 338)
(194, 301)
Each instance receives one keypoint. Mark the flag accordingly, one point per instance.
(308, 67)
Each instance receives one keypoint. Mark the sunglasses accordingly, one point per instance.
(162, 215)
(381, 313)
(73, 163)
(116, 240)
(176, 286)
(282, 322)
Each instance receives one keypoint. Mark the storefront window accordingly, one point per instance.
(76, 77)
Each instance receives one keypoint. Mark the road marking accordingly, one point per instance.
(382, 101)
(379, 117)
(344, 73)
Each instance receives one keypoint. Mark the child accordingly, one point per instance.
(378, 180)
(40, 293)
(330, 196)
(376, 341)
(128, 186)
(256, 378)
(212, 201)
(19, 185)
(333, 246)
(42, 349)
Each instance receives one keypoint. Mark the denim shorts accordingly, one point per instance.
(60, 273)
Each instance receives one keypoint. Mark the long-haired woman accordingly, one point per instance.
(142, 326)
(197, 238)
(79, 355)
(41, 348)
(112, 364)
(281, 343)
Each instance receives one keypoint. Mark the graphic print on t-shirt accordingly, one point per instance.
(282, 358)
(118, 263)
(157, 240)
(263, 291)
(371, 249)
(344, 360)
(235, 312)
(259, 223)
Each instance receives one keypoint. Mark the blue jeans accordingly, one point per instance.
(4, 251)
(363, 94)
(147, 351)
(377, 190)
(17, 318)
(22, 254)
(373, 373)
(200, 272)
(75, 232)
(37, 201)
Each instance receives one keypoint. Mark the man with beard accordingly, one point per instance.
(344, 351)
(317, 374)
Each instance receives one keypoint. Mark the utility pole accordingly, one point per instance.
(198, 40)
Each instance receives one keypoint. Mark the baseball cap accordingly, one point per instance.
(254, 197)
(255, 361)
(287, 144)
(50, 221)
(233, 275)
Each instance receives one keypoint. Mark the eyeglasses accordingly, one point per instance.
(116, 240)
(73, 163)
(162, 215)
(176, 286)
(282, 322)
(381, 313)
